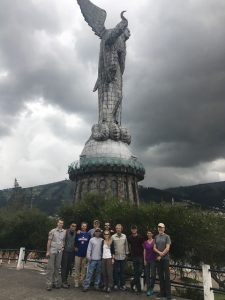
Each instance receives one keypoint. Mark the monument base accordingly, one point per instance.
(107, 167)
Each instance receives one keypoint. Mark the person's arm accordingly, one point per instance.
(75, 243)
(89, 250)
(129, 244)
(50, 237)
(64, 239)
(168, 243)
(112, 248)
(144, 254)
(126, 247)
(157, 251)
(166, 250)
(48, 248)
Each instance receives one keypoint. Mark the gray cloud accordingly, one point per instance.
(173, 84)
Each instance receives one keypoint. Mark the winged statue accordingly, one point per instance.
(111, 67)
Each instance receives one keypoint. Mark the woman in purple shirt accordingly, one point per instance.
(149, 262)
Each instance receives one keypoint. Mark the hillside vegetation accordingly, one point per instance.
(49, 197)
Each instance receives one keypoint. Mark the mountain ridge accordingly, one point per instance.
(48, 197)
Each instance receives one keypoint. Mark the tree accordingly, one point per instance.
(197, 235)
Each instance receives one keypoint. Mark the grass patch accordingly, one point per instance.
(219, 297)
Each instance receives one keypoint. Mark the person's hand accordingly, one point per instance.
(145, 263)
(76, 249)
(113, 260)
(89, 259)
(47, 254)
(158, 258)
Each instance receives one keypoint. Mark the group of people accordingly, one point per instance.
(99, 257)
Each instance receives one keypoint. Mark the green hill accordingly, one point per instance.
(46, 197)
(49, 197)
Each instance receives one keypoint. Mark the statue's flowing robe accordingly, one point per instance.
(110, 71)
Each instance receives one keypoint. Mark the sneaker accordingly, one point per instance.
(115, 287)
(108, 290)
(104, 289)
(65, 286)
(149, 293)
(97, 288)
(76, 285)
(55, 286)
(123, 288)
(48, 288)
(84, 290)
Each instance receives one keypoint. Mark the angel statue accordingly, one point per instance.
(111, 67)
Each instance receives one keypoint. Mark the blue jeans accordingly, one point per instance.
(93, 265)
(119, 272)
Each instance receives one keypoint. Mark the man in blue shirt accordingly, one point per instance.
(81, 244)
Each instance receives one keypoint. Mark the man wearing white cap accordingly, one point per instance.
(162, 248)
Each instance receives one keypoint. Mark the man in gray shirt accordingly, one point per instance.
(94, 256)
(162, 248)
(55, 245)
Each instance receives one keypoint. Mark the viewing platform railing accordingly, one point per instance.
(209, 281)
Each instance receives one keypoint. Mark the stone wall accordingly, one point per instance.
(122, 186)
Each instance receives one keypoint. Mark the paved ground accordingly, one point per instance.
(30, 285)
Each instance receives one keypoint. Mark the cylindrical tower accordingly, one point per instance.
(107, 167)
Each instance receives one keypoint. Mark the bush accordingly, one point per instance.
(197, 236)
(24, 228)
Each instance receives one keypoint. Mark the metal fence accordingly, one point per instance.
(209, 281)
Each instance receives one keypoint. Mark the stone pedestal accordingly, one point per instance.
(107, 167)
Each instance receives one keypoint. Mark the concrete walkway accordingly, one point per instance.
(30, 285)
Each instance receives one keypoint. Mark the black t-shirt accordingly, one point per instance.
(136, 245)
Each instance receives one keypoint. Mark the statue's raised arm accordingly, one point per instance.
(110, 71)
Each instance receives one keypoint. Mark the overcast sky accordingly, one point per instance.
(174, 88)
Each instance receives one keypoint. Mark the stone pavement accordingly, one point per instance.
(30, 285)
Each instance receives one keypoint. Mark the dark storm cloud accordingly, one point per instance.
(176, 85)
(37, 65)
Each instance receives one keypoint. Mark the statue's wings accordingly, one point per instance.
(94, 16)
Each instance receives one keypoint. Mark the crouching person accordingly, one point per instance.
(55, 245)
(94, 256)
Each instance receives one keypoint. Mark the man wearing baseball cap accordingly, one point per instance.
(162, 248)
(94, 256)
